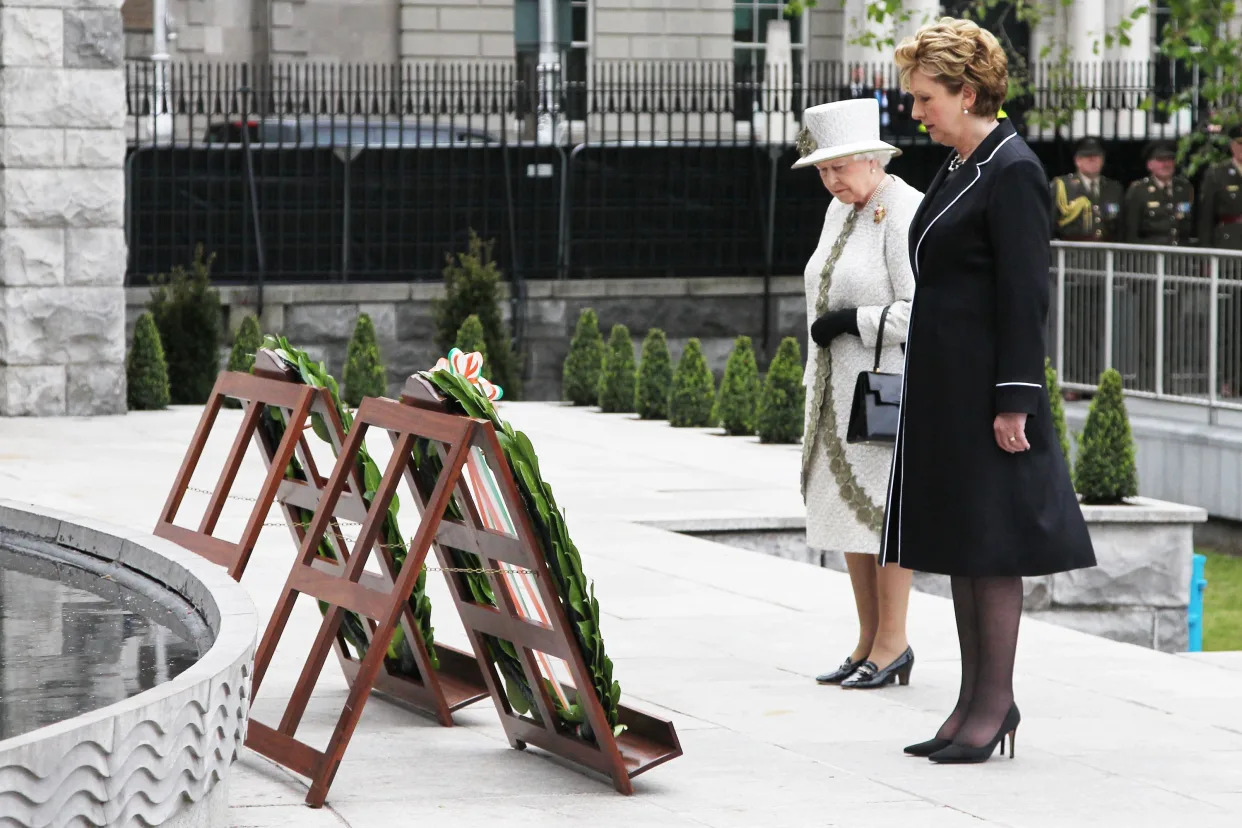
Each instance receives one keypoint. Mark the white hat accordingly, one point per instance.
(840, 129)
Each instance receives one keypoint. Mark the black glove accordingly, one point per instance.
(832, 324)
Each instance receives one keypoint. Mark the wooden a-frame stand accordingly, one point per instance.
(458, 682)
(647, 742)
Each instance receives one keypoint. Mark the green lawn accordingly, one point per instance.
(1222, 602)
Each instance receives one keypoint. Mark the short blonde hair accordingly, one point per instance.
(957, 53)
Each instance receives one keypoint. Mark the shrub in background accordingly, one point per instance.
(145, 369)
(655, 377)
(618, 381)
(247, 342)
(738, 403)
(470, 338)
(472, 286)
(1106, 472)
(694, 390)
(365, 375)
(186, 311)
(780, 415)
(584, 363)
(1058, 411)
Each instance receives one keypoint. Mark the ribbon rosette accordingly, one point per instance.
(470, 368)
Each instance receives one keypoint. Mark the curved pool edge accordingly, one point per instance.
(162, 756)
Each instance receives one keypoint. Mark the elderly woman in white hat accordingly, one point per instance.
(860, 268)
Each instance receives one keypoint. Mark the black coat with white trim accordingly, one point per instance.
(958, 504)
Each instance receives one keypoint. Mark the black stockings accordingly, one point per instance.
(988, 611)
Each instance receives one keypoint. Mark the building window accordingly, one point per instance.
(576, 57)
(750, 36)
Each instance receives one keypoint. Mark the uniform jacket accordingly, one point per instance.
(958, 504)
(1078, 214)
(1220, 206)
(1159, 215)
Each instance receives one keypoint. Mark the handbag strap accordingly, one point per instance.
(879, 337)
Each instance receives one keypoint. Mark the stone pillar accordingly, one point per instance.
(62, 191)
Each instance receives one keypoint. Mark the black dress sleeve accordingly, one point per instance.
(1019, 218)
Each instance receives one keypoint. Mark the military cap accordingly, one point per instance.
(1159, 149)
(1089, 146)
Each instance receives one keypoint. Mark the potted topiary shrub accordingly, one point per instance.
(584, 363)
(1057, 402)
(738, 403)
(365, 375)
(780, 415)
(247, 342)
(655, 377)
(145, 369)
(186, 310)
(1140, 589)
(618, 381)
(694, 390)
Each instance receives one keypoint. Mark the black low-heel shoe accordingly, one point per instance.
(840, 674)
(956, 754)
(929, 747)
(867, 677)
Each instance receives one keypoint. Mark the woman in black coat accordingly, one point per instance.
(979, 488)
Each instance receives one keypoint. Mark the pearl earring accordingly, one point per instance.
(965, 111)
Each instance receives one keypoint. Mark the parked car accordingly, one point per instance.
(320, 131)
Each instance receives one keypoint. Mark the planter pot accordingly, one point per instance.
(1140, 590)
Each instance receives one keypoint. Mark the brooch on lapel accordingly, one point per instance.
(880, 213)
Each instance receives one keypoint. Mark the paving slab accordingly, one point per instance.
(723, 641)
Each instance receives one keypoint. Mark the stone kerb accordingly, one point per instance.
(62, 247)
(162, 757)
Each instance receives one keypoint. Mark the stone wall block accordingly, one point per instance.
(94, 148)
(1131, 625)
(32, 391)
(84, 98)
(57, 326)
(96, 389)
(93, 39)
(1139, 565)
(32, 256)
(32, 37)
(320, 323)
(61, 197)
(95, 256)
(34, 147)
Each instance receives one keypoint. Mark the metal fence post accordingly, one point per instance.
(1160, 278)
(1214, 338)
(1110, 300)
(1060, 343)
(254, 199)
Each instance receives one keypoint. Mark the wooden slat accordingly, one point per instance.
(518, 631)
(282, 749)
(306, 496)
(219, 552)
(336, 590)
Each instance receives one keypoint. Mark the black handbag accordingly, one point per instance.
(877, 402)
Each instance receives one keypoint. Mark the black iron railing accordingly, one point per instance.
(374, 172)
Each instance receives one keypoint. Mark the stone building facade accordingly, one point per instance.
(62, 247)
(383, 31)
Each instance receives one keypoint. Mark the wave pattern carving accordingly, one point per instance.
(140, 767)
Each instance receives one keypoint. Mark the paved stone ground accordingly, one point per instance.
(722, 641)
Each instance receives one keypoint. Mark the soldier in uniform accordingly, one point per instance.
(1086, 205)
(1220, 225)
(1159, 208)
(1220, 201)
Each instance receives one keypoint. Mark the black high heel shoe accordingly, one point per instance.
(956, 754)
(868, 677)
(929, 747)
(840, 674)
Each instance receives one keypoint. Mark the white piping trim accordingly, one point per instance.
(1026, 384)
(978, 175)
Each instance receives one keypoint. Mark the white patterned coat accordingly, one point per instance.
(845, 499)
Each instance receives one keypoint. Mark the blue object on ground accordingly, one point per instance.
(1194, 611)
